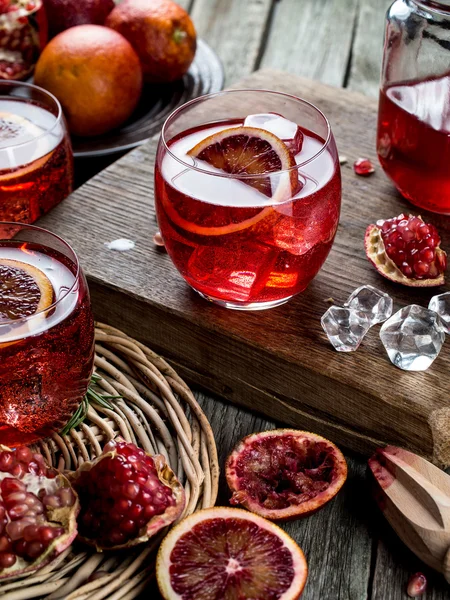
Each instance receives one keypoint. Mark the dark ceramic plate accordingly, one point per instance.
(204, 77)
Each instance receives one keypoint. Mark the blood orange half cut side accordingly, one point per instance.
(24, 290)
(229, 553)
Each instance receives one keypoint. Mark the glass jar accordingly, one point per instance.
(413, 138)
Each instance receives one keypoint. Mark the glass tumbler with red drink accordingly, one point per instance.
(36, 163)
(248, 194)
(413, 140)
(46, 334)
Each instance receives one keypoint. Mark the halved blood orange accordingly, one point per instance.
(24, 290)
(238, 151)
(229, 553)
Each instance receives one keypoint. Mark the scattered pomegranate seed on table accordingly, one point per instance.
(363, 167)
(417, 585)
(157, 239)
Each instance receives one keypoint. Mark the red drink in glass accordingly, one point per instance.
(36, 164)
(413, 140)
(46, 355)
(233, 244)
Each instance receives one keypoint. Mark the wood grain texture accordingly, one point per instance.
(367, 50)
(235, 30)
(281, 355)
(311, 38)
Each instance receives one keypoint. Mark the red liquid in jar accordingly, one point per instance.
(233, 244)
(46, 360)
(413, 141)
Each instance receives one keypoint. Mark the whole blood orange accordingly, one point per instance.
(162, 34)
(95, 74)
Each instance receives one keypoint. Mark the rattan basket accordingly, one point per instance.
(158, 412)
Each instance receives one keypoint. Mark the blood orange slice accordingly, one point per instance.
(251, 151)
(24, 290)
(229, 553)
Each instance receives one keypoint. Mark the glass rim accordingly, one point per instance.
(69, 290)
(58, 117)
(240, 176)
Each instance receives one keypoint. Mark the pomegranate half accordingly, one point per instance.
(406, 250)
(285, 474)
(126, 497)
(38, 510)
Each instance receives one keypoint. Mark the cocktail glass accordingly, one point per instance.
(248, 216)
(36, 163)
(46, 333)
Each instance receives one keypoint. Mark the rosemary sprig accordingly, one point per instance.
(91, 396)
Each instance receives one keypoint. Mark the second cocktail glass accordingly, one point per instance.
(248, 194)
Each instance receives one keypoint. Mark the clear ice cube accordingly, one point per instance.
(441, 305)
(374, 304)
(286, 130)
(344, 327)
(413, 337)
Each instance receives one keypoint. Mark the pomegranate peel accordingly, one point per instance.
(126, 497)
(412, 259)
(285, 474)
(224, 552)
(38, 510)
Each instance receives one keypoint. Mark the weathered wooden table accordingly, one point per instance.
(352, 553)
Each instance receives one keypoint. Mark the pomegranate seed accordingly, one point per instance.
(149, 511)
(66, 497)
(2, 511)
(116, 538)
(30, 533)
(35, 549)
(131, 490)
(158, 240)
(46, 534)
(18, 470)
(5, 544)
(30, 6)
(363, 167)
(135, 511)
(122, 505)
(17, 511)
(7, 460)
(110, 446)
(417, 585)
(24, 454)
(128, 526)
(10, 485)
(7, 560)
(20, 547)
(51, 500)
(14, 529)
(15, 498)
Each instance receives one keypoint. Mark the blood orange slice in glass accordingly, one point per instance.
(250, 153)
(229, 553)
(24, 290)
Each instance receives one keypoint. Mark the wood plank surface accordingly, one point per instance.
(311, 38)
(234, 29)
(367, 50)
(277, 362)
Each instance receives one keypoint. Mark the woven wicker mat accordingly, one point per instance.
(156, 411)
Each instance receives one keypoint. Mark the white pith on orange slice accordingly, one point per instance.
(226, 552)
(24, 290)
(248, 152)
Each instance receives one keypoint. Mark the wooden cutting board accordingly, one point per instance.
(277, 362)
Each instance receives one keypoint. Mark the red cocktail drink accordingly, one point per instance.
(248, 216)
(46, 334)
(36, 164)
(413, 140)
